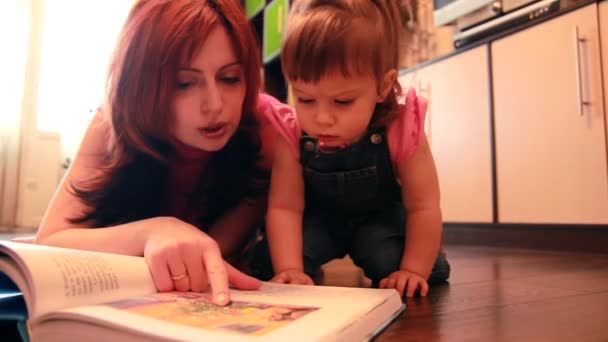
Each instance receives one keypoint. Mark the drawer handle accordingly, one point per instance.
(578, 40)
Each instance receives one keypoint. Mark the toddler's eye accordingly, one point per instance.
(305, 101)
(343, 102)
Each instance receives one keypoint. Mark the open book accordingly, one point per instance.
(88, 296)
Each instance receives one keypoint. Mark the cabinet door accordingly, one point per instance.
(458, 129)
(603, 6)
(549, 123)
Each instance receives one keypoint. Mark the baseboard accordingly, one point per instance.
(572, 238)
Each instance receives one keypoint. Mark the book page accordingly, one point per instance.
(276, 312)
(60, 278)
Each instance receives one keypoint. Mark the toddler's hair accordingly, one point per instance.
(354, 37)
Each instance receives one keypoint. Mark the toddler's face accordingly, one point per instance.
(210, 93)
(337, 109)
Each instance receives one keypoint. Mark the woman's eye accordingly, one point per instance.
(343, 102)
(231, 79)
(305, 101)
(184, 84)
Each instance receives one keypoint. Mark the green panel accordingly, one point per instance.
(275, 19)
(253, 7)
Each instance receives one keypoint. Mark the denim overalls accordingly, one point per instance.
(354, 207)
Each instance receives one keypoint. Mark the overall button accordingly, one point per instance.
(376, 138)
(309, 146)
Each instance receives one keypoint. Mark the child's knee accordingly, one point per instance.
(260, 263)
(441, 270)
(379, 263)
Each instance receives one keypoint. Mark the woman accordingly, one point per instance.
(171, 168)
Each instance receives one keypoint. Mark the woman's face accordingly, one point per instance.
(209, 97)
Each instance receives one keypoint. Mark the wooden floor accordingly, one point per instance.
(500, 294)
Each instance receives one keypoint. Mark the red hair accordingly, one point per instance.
(157, 37)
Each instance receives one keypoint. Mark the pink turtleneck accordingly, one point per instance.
(185, 169)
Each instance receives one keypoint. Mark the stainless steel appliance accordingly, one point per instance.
(448, 11)
(510, 5)
(467, 13)
(483, 14)
(518, 15)
(490, 11)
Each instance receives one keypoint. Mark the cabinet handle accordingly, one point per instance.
(578, 40)
(280, 19)
(429, 116)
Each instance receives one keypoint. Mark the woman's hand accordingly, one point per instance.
(183, 258)
(292, 276)
(405, 282)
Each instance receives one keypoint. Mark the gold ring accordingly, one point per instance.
(181, 276)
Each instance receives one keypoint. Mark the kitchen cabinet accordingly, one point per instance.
(603, 22)
(550, 122)
(275, 19)
(458, 129)
(268, 18)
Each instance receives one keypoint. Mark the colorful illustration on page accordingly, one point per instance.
(197, 310)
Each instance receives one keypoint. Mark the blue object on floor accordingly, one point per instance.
(13, 311)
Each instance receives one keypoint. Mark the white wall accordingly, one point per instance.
(70, 43)
(41, 169)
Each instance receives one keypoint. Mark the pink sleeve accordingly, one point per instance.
(282, 117)
(405, 132)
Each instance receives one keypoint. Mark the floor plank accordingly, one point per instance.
(572, 318)
(503, 294)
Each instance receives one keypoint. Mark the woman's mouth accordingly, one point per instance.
(213, 131)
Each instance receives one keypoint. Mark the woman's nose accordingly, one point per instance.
(212, 100)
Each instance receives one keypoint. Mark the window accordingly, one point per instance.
(13, 36)
(77, 42)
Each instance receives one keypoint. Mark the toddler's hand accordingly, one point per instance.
(292, 277)
(405, 282)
